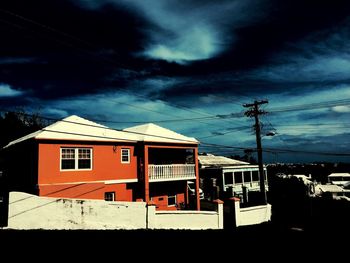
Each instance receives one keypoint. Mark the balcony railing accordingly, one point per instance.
(171, 172)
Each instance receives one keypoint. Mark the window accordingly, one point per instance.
(246, 176)
(238, 177)
(84, 158)
(255, 175)
(125, 156)
(228, 178)
(171, 200)
(109, 196)
(76, 158)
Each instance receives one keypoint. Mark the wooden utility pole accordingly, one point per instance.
(254, 111)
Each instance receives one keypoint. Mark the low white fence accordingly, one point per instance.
(32, 212)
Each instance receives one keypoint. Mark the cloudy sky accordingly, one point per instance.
(188, 66)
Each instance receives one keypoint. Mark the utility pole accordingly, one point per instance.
(254, 111)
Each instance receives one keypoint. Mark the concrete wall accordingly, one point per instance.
(252, 215)
(32, 212)
(185, 219)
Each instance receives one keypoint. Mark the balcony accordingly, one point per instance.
(171, 172)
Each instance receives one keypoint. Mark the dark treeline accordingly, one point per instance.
(14, 125)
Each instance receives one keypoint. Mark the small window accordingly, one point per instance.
(110, 196)
(125, 155)
(171, 200)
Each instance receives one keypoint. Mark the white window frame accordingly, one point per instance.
(174, 198)
(121, 155)
(76, 159)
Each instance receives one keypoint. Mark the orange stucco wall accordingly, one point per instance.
(87, 191)
(161, 201)
(106, 165)
(160, 191)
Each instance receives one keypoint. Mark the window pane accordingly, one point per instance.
(238, 177)
(255, 176)
(84, 153)
(67, 164)
(246, 175)
(68, 153)
(171, 200)
(84, 164)
(228, 178)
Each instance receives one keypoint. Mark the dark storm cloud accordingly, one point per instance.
(149, 60)
(253, 51)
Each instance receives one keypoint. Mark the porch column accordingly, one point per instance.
(146, 174)
(198, 205)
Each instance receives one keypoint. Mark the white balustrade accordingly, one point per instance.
(170, 172)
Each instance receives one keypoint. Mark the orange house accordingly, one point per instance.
(77, 158)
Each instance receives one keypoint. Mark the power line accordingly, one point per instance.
(311, 106)
(202, 144)
(300, 107)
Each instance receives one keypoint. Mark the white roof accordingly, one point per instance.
(329, 188)
(213, 160)
(153, 133)
(339, 174)
(77, 128)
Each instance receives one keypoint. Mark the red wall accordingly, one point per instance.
(159, 192)
(106, 165)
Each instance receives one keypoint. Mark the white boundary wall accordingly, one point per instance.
(33, 212)
(252, 215)
(185, 219)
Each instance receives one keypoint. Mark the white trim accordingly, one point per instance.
(121, 181)
(172, 179)
(121, 155)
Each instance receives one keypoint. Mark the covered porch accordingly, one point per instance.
(171, 164)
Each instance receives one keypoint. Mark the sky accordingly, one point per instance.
(188, 66)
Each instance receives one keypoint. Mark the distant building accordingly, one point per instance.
(78, 158)
(223, 177)
(339, 178)
(332, 191)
